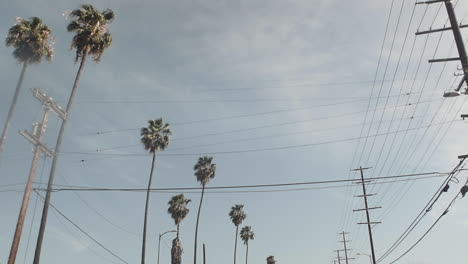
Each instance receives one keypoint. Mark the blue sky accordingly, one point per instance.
(286, 73)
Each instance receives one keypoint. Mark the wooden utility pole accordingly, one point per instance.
(344, 244)
(338, 256)
(36, 138)
(367, 208)
(455, 27)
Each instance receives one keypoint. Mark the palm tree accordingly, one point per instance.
(237, 215)
(154, 138)
(204, 171)
(247, 234)
(178, 211)
(271, 260)
(91, 39)
(32, 42)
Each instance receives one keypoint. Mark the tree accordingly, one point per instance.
(247, 234)
(154, 138)
(31, 40)
(178, 211)
(237, 216)
(271, 260)
(204, 171)
(91, 38)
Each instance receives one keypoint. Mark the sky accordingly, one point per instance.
(276, 92)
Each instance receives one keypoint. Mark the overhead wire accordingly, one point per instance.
(399, 197)
(363, 149)
(237, 151)
(95, 211)
(450, 205)
(237, 116)
(411, 89)
(245, 129)
(82, 230)
(79, 240)
(402, 85)
(251, 186)
(421, 214)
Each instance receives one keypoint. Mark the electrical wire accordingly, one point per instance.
(421, 214)
(82, 230)
(255, 186)
(347, 209)
(429, 230)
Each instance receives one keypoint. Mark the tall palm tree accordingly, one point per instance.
(271, 260)
(31, 40)
(237, 216)
(154, 138)
(204, 171)
(91, 38)
(247, 234)
(178, 211)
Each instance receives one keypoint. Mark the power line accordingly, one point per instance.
(429, 230)
(422, 213)
(81, 230)
(78, 240)
(80, 188)
(239, 151)
(346, 207)
(243, 116)
(245, 139)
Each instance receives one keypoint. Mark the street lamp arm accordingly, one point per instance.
(159, 242)
(170, 231)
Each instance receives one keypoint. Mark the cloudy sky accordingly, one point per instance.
(277, 92)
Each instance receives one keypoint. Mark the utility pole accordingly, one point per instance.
(455, 27)
(36, 138)
(344, 244)
(367, 208)
(204, 254)
(338, 256)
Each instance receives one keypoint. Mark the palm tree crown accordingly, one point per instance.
(178, 208)
(271, 260)
(92, 36)
(237, 214)
(31, 40)
(247, 234)
(156, 136)
(205, 170)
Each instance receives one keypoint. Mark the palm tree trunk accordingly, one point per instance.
(45, 209)
(196, 226)
(143, 247)
(12, 108)
(178, 228)
(247, 253)
(235, 244)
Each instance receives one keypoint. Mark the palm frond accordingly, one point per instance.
(237, 214)
(155, 137)
(31, 40)
(91, 28)
(204, 169)
(247, 234)
(178, 208)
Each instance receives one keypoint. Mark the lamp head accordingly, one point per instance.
(451, 93)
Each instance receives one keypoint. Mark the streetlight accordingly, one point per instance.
(456, 92)
(159, 243)
(364, 254)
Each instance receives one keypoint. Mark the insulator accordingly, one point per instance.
(464, 190)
